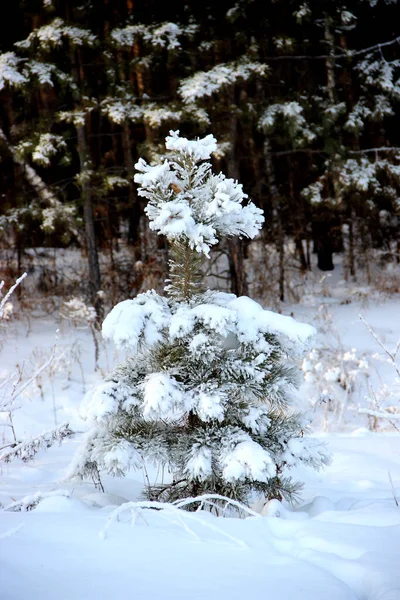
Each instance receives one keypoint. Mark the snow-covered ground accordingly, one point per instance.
(341, 542)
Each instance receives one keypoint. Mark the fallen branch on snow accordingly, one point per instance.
(173, 513)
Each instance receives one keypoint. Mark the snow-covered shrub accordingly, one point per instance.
(206, 389)
(83, 315)
(333, 378)
(383, 403)
(12, 388)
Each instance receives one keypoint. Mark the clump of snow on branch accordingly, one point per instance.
(137, 321)
(247, 460)
(368, 177)
(188, 202)
(132, 324)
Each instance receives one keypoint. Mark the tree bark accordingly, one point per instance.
(276, 216)
(237, 270)
(86, 194)
(90, 234)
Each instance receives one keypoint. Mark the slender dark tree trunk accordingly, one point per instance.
(237, 269)
(276, 215)
(325, 255)
(86, 193)
(90, 234)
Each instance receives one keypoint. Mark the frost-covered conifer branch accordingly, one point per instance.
(27, 449)
(380, 414)
(52, 36)
(291, 114)
(206, 83)
(30, 502)
(54, 210)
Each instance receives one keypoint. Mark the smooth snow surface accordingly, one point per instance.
(342, 543)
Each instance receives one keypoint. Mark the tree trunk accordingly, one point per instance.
(325, 253)
(91, 246)
(237, 269)
(276, 216)
(86, 193)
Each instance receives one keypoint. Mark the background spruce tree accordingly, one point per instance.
(205, 391)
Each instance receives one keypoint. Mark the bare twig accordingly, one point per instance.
(393, 489)
(10, 291)
(172, 513)
(379, 412)
(391, 355)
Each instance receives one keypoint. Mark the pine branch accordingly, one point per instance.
(27, 449)
(28, 503)
(346, 55)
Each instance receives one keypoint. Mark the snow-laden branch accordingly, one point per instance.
(27, 449)
(380, 414)
(30, 502)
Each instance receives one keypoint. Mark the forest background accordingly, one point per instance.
(301, 96)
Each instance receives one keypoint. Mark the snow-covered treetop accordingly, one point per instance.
(145, 319)
(188, 203)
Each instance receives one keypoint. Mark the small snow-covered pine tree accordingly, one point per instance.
(206, 389)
